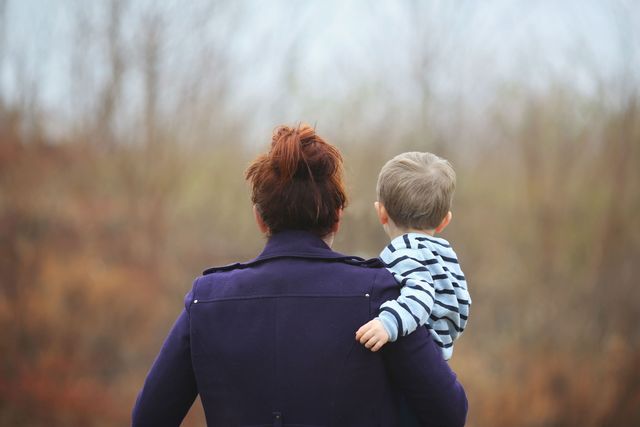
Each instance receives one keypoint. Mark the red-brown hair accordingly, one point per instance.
(298, 184)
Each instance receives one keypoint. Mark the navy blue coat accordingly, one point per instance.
(271, 342)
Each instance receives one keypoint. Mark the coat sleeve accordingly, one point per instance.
(170, 387)
(421, 375)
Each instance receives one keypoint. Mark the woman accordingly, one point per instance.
(271, 341)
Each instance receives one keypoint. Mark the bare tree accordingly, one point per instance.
(112, 89)
(3, 31)
(151, 56)
(3, 36)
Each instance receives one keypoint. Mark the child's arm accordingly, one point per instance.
(412, 308)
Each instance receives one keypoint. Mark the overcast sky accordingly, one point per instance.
(333, 49)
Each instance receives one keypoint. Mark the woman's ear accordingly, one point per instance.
(336, 226)
(261, 224)
(445, 221)
(383, 216)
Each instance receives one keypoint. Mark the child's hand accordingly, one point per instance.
(372, 335)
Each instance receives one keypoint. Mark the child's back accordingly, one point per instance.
(414, 198)
(433, 287)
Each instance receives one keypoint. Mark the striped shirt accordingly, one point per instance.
(433, 290)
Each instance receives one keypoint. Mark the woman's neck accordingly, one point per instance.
(328, 239)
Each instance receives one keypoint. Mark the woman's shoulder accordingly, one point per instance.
(345, 259)
(340, 276)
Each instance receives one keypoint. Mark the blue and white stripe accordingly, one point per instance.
(434, 290)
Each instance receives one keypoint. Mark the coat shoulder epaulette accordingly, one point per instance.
(352, 260)
(228, 267)
(368, 263)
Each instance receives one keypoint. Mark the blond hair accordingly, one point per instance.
(416, 189)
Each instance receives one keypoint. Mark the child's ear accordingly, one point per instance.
(445, 221)
(383, 216)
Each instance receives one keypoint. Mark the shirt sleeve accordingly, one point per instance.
(170, 387)
(413, 307)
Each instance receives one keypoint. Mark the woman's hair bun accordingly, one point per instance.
(299, 153)
(298, 183)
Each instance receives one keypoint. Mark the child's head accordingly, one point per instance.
(416, 190)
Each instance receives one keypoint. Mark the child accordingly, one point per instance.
(414, 197)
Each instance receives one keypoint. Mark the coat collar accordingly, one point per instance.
(297, 244)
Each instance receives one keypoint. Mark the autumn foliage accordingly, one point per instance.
(105, 222)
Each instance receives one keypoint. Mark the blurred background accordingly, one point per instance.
(126, 126)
